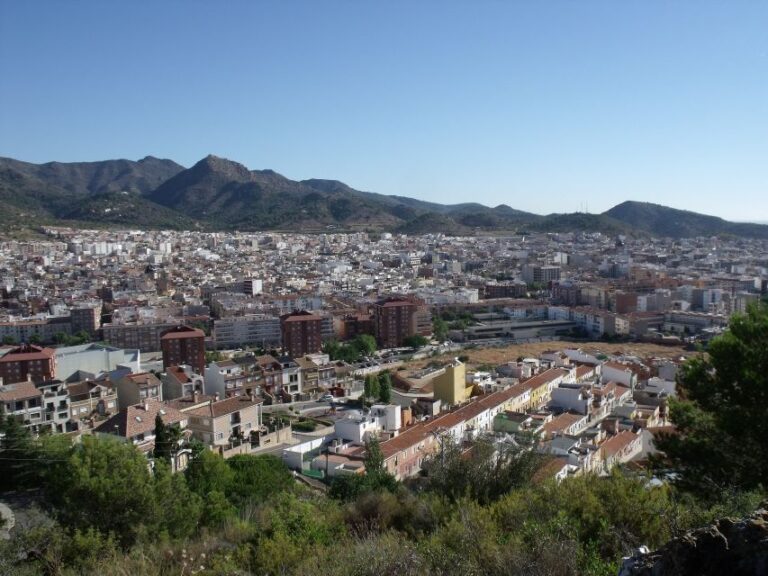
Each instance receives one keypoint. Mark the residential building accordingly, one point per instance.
(28, 362)
(451, 386)
(394, 321)
(301, 333)
(24, 401)
(135, 388)
(229, 421)
(259, 330)
(184, 345)
(181, 382)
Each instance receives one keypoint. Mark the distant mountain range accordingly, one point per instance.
(218, 194)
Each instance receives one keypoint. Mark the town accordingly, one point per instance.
(307, 346)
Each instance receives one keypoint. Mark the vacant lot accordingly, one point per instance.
(499, 355)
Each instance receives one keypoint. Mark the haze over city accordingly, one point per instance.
(560, 107)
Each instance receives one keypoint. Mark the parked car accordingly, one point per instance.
(327, 398)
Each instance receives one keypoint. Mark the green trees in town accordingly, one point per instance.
(721, 436)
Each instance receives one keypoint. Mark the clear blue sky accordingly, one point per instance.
(545, 106)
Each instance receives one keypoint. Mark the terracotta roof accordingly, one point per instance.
(182, 332)
(582, 371)
(19, 391)
(617, 366)
(561, 422)
(143, 379)
(418, 432)
(140, 419)
(549, 469)
(302, 316)
(619, 442)
(178, 373)
(28, 352)
(545, 377)
(224, 407)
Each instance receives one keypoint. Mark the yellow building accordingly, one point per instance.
(451, 386)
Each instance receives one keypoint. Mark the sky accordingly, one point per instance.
(543, 106)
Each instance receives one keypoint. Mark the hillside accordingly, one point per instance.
(663, 221)
(219, 194)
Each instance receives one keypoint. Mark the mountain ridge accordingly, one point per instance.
(220, 194)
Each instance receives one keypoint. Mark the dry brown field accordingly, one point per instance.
(499, 355)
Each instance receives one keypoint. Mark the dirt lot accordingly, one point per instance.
(499, 355)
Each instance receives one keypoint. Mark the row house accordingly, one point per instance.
(404, 454)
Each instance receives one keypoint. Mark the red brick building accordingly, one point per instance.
(394, 321)
(28, 362)
(302, 333)
(183, 345)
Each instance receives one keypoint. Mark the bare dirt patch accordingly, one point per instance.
(499, 355)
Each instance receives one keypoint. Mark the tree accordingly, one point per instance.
(17, 455)
(365, 344)
(371, 386)
(721, 437)
(105, 484)
(376, 475)
(35, 339)
(385, 388)
(415, 341)
(440, 328)
(166, 439)
(9, 340)
(257, 478)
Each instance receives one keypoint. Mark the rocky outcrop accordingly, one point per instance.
(733, 547)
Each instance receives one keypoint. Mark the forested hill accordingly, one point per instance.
(219, 194)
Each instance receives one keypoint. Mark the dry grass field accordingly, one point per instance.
(498, 355)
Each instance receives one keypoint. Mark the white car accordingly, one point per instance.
(327, 398)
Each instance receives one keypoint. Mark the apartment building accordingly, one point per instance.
(394, 321)
(259, 330)
(183, 345)
(28, 362)
(301, 333)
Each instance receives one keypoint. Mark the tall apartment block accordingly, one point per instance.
(394, 321)
(184, 345)
(302, 333)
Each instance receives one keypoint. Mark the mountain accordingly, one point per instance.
(663, 221)
(44, 193)
(219, 194)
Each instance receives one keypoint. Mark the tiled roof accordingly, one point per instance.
(224, 407)
(140, 419)
(619, 442)
(19, 391)
(418, 432)
(28, 352)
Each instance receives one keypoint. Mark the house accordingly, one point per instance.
(56, 407)
(133, 389)
(620, 448)
(23, 400)
(136, 424)
(541, 385)
(91, 397)
(617, 372)
(222, 424)
(566, 424)
(181, 381)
